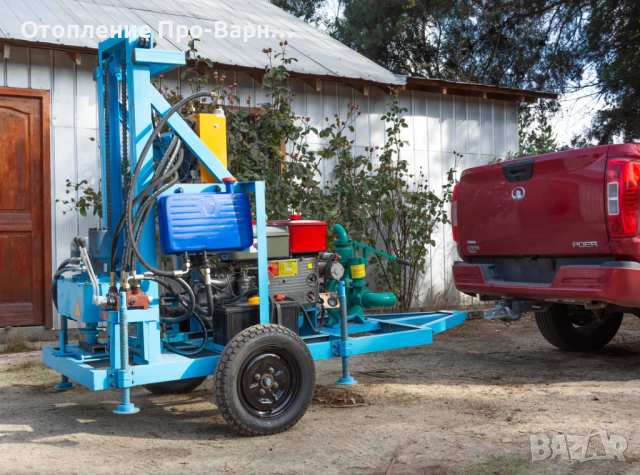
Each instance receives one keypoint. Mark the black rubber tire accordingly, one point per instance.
(180, 386)
(558, 328)
(238, 355)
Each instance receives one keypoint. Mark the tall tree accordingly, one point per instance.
(549, 45)
(487, 41)
(613, 48)
(305, 9)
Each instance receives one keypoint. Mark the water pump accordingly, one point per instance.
(359, 297)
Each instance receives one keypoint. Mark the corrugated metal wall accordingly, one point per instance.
(479, 129)
(74, 123)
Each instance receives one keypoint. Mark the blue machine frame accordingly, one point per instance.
(150, 361)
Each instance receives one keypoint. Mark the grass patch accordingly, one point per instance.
(337, 397)
(24, 366)
(18, 345)
(505, 465)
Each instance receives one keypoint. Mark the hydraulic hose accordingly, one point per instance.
(191, 304)
(150, 197)
(205, 340)
(62, 268)
(241, 296)
(157, 179)
(216, 282)
(141, 218)
(162, 171)
(308, 319)
(126, 217)
(208, 290)
(209, 293)
(129, 204)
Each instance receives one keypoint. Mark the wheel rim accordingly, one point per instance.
(587, 323)
(269, 382)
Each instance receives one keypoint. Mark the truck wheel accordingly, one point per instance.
(577, 331)
(264, 380)
(180, 386)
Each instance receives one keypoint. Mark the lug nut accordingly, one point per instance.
(262, 392)
(275, 385)
(257, 377)
(271, 370)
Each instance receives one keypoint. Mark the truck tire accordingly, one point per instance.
(264, 380)
(180, 386)
(577, 331)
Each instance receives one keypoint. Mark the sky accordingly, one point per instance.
(578, 110)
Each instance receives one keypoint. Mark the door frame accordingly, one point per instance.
(45, 102)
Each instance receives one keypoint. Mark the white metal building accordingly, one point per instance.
(477, 121)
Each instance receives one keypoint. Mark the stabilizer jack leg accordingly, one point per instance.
(64, 383)
(346, 379)
(125, 406)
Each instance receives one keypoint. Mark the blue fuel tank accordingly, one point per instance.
(212, 222)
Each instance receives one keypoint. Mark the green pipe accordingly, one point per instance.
(386, 299)
(340, 231)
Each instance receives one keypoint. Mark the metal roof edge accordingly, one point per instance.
(486, 91)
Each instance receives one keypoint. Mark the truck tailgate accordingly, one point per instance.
(550, 205)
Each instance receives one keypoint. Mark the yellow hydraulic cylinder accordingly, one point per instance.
(212, 130)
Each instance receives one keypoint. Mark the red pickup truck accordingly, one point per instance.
(555, 234)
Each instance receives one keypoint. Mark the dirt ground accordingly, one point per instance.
(466, 404)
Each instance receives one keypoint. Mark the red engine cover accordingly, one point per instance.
(305, 236)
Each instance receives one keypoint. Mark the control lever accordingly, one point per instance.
(368, 249)
(98, 300)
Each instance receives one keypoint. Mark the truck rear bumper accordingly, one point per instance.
(613, 282)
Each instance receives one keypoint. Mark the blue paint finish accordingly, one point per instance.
(64, 384)
(133, 316)
(168, 367)
(158, 61)
(140, 128)
(151, 363)
(261, 240)
(213, 222)
(438, 322)
(75, 295)
(345, 346)
(125, 373)
(83, 373)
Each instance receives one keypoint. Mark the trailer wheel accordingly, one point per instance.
(264, 380)
(578, 330)
(180, 386)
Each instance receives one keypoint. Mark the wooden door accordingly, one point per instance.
(25, 208)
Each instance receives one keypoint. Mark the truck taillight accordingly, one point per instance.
(622, 197)
(454, 214)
